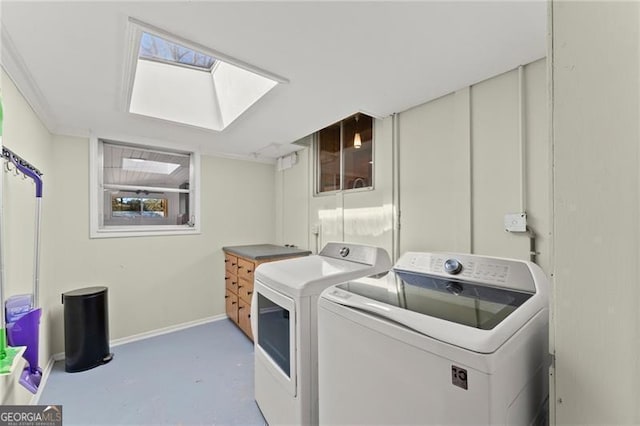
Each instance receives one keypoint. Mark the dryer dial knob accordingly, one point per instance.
(344, 251)
(452, 266)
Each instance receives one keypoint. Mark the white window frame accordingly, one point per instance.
(96, 200)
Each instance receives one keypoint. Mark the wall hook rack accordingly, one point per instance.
(7, 154)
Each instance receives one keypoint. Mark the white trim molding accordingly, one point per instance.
(15, 67)
(167, 330)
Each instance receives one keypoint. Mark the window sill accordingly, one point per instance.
(119, 232)
(344, 191)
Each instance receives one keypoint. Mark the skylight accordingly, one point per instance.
(156, 48)
(176, 80)
(148, 166)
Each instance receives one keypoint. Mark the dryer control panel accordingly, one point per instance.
(473, 268)
(368, 255)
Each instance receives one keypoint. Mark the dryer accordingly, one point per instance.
(284, 323)
(444, 339)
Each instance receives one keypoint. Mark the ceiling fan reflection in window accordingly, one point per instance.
(141, 191)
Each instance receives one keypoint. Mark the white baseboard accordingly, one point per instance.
(166, 330)
(153, 333)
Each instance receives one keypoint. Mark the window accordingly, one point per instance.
(156, 48)
(141, 190)
(173, 79)
(344, 155)
(135, 206)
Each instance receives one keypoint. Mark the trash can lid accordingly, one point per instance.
(83, 292)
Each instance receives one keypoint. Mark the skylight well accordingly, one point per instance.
(175, 80)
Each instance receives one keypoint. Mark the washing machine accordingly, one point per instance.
(442, 339)
(284, 324)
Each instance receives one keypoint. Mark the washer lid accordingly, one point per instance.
(466, 303)
(481, 321)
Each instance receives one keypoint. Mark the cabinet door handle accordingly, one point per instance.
(240, 286)
(233, 264)
(249, 292)
(249, 270)
(249, 315)
(240, 266)
(234, 282)
(226, 278)
(226, 297)
(240, 307)
(226, 260)
(233, 303)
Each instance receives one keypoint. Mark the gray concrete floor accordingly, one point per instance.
(202, 375)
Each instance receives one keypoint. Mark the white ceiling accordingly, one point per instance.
(339, 58)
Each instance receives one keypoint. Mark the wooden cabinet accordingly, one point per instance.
(238, 281)
(244, 317)
(231, 302)
(239, 276)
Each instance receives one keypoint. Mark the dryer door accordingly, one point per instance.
(275, 316)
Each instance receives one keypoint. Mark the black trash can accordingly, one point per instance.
(86, 328)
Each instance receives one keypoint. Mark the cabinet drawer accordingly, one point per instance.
(231, 305)
(244, 317)
(231, 263)
(245, 269)
(231, 282)
(245, 290)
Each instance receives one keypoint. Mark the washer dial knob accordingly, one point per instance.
(452, 266)
(455, 288)
(344, 251)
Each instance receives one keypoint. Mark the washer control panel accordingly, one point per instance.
(473, 268)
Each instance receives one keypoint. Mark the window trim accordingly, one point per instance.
(95, 200)
(316, 164)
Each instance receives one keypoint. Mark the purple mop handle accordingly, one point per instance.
(33, 175)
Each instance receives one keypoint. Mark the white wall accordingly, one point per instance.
(596, 211)
(368, 215)
(458, 176)
(292, 202)
(26, 136)
(460, 169)
(156, 282)
(435, 175)
(363, 216)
